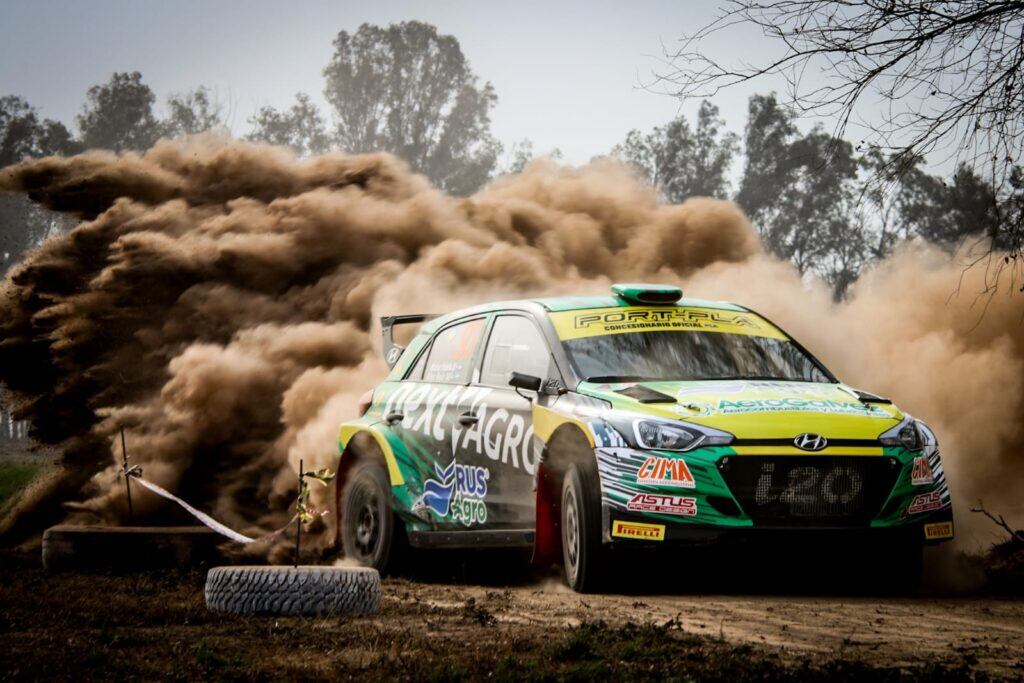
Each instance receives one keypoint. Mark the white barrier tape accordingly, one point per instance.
(205, 518)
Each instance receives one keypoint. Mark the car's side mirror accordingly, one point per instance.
(520, 380)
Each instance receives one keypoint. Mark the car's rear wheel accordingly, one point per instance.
(370, 532)
(582, 553)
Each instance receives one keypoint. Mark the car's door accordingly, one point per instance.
(496, 424)
(422, 414)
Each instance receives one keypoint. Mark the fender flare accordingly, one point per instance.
(547, 545)
(349, 432)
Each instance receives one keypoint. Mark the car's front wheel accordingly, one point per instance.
(582, 553)
(370, 531)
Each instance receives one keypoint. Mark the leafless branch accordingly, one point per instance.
(1017, 535)
(944, 75)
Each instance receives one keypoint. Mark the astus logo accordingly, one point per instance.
(673, 472)
(666, 505)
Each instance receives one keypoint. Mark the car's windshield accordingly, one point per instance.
(690, 355)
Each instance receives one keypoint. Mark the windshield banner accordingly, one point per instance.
(595, 322)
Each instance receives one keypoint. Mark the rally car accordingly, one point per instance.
(578, 427)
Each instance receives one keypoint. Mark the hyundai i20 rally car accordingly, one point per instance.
(578, 427)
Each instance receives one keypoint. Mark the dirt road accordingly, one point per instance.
(987, 633)
(154, 626)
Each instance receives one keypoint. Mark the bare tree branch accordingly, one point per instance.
(944, 75)
(1017, 536)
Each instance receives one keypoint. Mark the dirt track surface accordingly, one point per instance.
(900, 632)
(154, 625)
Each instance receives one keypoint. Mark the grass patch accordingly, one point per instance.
(14, 476)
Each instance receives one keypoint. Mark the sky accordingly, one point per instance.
(569, 75)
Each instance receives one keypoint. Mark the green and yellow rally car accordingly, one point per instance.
(581, 426)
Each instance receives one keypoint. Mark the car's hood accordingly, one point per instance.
(752, 409)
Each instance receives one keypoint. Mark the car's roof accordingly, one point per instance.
(571, 303)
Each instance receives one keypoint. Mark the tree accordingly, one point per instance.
(942, 75)
(22, 135)
(118, 115)
(800, 192)
(522, 153)
(301, 127)
(682, 163)
(192, 112)
(409, 90)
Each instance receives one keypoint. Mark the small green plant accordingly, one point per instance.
(306, 512)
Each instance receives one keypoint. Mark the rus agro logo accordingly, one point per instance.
(457, 492)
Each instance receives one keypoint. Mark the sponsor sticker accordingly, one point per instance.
(499, 435)
(595, 322)
(925, 502)
(666, 505)
(922, 473)
(638, 530)
(457, 492)
(665, 472)
(938, 530)
(783, 405)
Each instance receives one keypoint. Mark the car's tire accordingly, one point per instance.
(371, 533)
(293, 590)
(583, 556)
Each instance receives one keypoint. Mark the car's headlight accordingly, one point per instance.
(651, 433)
(906, 434)
(665, 437)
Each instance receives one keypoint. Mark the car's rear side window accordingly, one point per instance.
(450, 358)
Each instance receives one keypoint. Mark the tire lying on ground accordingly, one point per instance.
(293, 590)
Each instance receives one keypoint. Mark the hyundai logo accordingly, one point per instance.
(810, 442)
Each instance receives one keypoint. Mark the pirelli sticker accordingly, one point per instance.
(638, 530)
(938, 530)
(595, 322)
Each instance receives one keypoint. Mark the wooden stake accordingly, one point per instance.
(298, 521)
(127, 483)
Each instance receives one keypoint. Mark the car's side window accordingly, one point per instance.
(515, 345)
(417, 371)
(450, 358)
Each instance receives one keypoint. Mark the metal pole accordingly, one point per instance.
(127, 483)
(298, 520)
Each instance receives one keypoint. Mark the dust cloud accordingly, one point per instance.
(218, 298)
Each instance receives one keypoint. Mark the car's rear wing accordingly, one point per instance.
(392, 351)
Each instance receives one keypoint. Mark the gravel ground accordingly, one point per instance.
(154, 626)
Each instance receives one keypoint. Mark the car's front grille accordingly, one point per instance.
(810, 491)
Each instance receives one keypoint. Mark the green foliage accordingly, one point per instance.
(303, 509)
(301, 127)
(118, 115)
(192, 112)
(522, 153)
(681, 162)
(23, 134)
(408, 90)
(14, 476)
(815, 201)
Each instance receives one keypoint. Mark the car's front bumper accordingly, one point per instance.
(627, 528)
